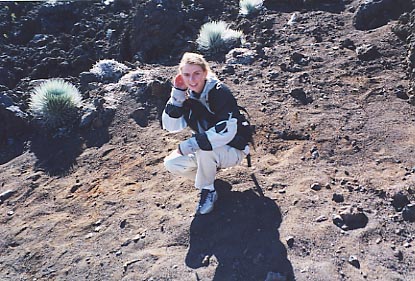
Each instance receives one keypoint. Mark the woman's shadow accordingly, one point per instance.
(242, 233)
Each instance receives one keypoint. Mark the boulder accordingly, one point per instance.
(408, 213)
(240, 56)
(154, 28)
(399, 200)
(367, 52)
(350, 219)
(372, 14)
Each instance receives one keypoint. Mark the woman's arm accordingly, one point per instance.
(172, 117)
(224, 106)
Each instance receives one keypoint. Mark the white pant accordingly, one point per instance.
(203, 165)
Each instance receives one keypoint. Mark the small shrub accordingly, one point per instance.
(247, 7)
(109, 70)
(216, 36)
(55, 102)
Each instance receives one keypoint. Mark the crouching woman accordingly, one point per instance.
(200, 101)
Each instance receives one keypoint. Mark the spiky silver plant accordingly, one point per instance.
(109, 70)
(56, 103)
(247, 7)
(216, 36)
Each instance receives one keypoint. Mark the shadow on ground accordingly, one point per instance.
(56, 156)
(242, 233)
(9, 151)
(96, 137)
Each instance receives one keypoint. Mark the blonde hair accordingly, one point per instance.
(193, 58)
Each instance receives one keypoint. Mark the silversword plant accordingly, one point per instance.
(216, 36)
(247, 7)
(109, 70)
(55, 103)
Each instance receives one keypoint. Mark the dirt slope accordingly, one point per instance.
(100, 206)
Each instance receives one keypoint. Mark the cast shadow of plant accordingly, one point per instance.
(56, 156)
(96, 137)
(9, 151)
(242, 233)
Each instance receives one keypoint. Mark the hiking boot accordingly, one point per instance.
(207, 200)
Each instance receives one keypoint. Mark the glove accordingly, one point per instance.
(178, 97)
(178, 93)
(188, 146)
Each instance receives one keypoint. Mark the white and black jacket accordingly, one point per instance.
(213, 116)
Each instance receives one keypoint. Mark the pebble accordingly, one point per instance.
(321, 218)
(75, 187)
(6, 195)
(316, 186)
(354, 261)
(290, 241)
(126, 243)
(408, 212)
(139, 236)
(338, 198)
(398, 254)
(123, 223)
(35, 176)
(128, 263)
(399, 231)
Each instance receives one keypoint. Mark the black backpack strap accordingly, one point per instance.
(248, 160)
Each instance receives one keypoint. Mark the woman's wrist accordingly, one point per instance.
(177, 88)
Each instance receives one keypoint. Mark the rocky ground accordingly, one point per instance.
(330, 193)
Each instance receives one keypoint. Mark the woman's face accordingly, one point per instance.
(194, 77)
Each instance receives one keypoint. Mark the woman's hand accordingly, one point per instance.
(178, 82)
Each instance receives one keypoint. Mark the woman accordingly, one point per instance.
(200, 101)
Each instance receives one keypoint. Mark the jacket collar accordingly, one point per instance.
(211, 81)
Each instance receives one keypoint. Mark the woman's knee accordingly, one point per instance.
(170, 165)
(179, 166)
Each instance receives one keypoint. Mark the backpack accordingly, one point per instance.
(246, 131)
